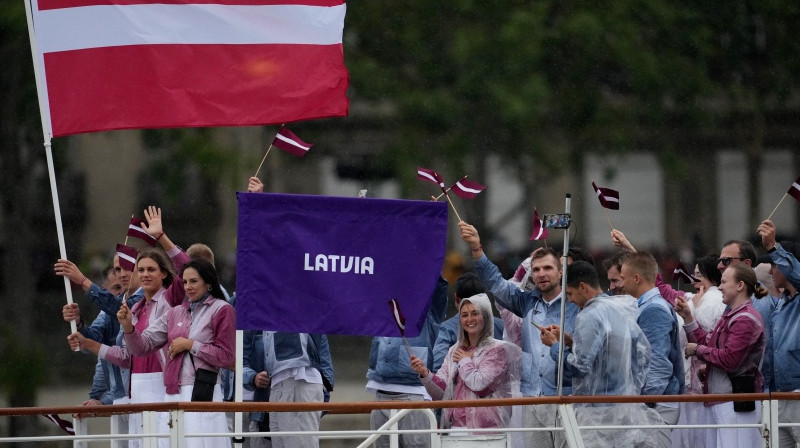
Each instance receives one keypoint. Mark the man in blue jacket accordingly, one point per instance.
(391, 378)
(288, 367)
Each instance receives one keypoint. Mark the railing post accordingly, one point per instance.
(771, 419)
(81, 427)
(572, 434)
(394, 439)
(116, 428)
(177, 437)
(149, 427)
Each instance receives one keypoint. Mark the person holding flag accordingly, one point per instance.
(391, 378)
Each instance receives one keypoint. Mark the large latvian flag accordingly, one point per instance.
(320, 264)
(123, 64)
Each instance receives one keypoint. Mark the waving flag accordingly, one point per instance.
(127, 257)
(136, 230)
(794, 190)
(289, 142)
(608, 198)
(65, 425)
(681, 273)
(321, 264)
(431, 176)
(539, 231)
(123, 64)
(467, 189)
(399, 319)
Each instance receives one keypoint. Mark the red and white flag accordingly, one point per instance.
(127, 257)
(65, 425)
(794, 190)
(136, 230)
(539, 231)
(289, 142)
(431, 176)
(127, 64)
(608, 198)
(467, 189)
(680, 272)
(399, 319)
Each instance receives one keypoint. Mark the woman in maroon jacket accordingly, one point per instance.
(732, 353)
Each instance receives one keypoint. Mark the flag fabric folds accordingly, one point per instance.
(539, 231)
(136, 230)
(794, 190)
(319, 264)
(608, 198)
(65, 425)
(289, 142)
(431, 176)
(127, 257)
(467, 189)
(111, 64)
(399, 319)
(680, 272)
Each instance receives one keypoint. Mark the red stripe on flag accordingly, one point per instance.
(156, 86)
(794, 190)
(59, 4)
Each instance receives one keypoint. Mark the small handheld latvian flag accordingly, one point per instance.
(608, 198)
(794, 190)
(287, 141)
(136, 230)
(680, 272)
(399, 319)
(65, 425)
(430, 176)
(539, 232)
(127, 257)
(467, 189)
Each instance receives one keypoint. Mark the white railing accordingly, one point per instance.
(769, 426)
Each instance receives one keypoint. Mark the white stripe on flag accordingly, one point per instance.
(467, 189)
(611, 199)
(292, 142)
(796, 186)
(127, 257)
(428, 176)
(118, 25)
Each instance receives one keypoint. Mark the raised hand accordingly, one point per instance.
(125, 318)
(619, 240)
(153, 216)
(767, 230)
(682, 308)
(66, 268)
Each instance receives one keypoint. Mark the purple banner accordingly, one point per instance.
(330, 265)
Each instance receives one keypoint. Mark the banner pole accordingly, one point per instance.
(47, 131)
(563, 300)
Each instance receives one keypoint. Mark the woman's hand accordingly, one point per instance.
(690, 350)
(125, 318)
(153, 227)
(419, 367)
(462, 353)
(682, 308)
(179, 345)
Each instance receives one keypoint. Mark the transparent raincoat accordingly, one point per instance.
(492, 372)
(610, 356)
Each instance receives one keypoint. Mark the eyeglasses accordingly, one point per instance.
(726, 261)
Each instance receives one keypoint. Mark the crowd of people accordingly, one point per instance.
(166, 332)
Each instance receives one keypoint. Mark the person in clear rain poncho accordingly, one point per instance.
(608, 354)
(476, 366)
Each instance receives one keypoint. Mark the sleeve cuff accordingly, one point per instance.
(174, 251)
(690, 327)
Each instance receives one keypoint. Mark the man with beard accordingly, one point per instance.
(539, 308)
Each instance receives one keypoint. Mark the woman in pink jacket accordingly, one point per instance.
(477, 366)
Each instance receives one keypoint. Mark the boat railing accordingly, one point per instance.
(768, 426)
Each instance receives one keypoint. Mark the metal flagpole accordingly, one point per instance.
(563, 300)
(47, 130)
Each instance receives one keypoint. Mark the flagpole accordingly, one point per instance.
(126, 233)
(607, 219)
(448, 189)
(776, 207)
(563, 300)
(47, 132)
(453, 206)
(262, 161)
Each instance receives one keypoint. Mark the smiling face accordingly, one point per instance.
(546, 275)
(194, 285)
(730, 287)
(471, 321)
(615, 281)
(150, 275)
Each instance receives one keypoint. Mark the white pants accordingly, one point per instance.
(194, 422)
(541, 416)
(412, 420)
(145, 388)
(294, 391)
(735, 437)
(789, 412)
(119, 424)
